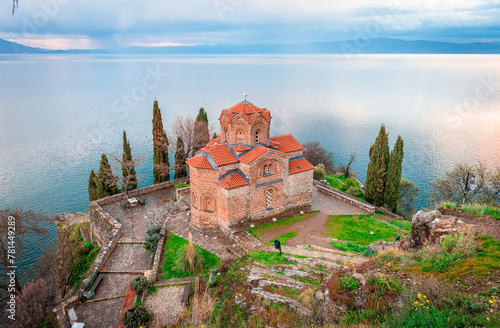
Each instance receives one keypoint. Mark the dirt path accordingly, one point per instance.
(485, 225)
(311, 231)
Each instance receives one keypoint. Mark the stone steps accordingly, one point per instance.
(276, 298)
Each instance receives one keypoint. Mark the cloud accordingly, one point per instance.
(122, 22)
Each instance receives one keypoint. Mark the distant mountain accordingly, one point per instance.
(372, 46)
(7, 47)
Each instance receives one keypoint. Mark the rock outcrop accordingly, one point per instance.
(429, 227)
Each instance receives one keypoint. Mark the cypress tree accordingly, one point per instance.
(180, 160)
(394, 171)
(92, 186)
(377, 169)
(201, 133)
(106, 183)
(161, 166)
(128, 169)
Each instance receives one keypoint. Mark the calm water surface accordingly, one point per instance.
(59, 113)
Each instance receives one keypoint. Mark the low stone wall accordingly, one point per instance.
(140, 191)
(337, 194)
(158, 254)
(390, 214)
(182, 193)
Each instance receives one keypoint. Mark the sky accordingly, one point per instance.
(91, 24)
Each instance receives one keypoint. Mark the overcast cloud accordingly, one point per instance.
(120, 23)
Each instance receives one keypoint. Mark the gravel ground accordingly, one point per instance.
(165, 305)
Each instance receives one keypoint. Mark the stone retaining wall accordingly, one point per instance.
(183, 193)
(140, 191)
(337, 194)
(159, 252)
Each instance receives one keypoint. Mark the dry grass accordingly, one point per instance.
(203, 307)
(188, 258)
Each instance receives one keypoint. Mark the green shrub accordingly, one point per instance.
(174, 199)
(139, 283)
(181, 185)
(347, 283)
(450, 251)
(135, 316)
(349, 183)
(319, 172)
(353, 191)
(449, 205)
(152, 238)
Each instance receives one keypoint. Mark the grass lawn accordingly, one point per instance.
(333, 180)
(269, 258)
(485, 262)
(356, 229)
(284, 237)
(175, 242)
(257, 232)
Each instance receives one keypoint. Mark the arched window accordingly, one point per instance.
(269, 199)
(226, 135)
(257, 136)
(193, 200)
(208, 203)
(268, 169)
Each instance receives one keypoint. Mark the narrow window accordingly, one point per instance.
(269, 199)
(257, 136)
(193, 200)
(226, 135)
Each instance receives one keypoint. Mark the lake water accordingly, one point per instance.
(58, 113)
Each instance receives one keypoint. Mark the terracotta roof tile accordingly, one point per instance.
(200, 161)
(253, 154)
(232, 181)
(287, 143)
(221, 155)
(240, 148)
(299, 165)
(127, 303)
(247, 110)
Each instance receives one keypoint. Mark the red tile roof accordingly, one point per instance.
(127, 303)
(253, 154)
(287, 143)
(240, 148)
(200, 161)
(232, 181)
(221, 154)
(256, 153)
(299, 165)
(247, 110)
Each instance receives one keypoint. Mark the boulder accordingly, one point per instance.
(429, 227)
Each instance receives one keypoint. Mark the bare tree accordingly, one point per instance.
(64, 260)
(494, 184)
(316, 154)
(124, 180)
(183, 127)
(36, 302)
(346, 169)
(15, 226)
(463, 184)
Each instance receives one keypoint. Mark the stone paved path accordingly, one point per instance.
(332, 206)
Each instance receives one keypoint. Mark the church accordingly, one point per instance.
(245, 174)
